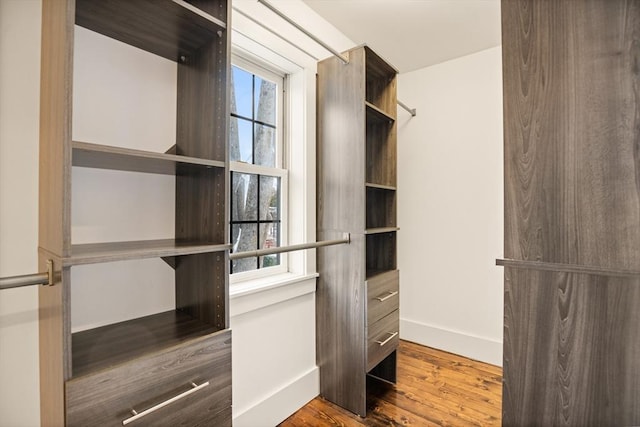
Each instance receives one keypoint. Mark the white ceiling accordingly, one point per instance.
(412, 34)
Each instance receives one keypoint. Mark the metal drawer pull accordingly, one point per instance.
(137, 415)
(393, 334)
(391, 294)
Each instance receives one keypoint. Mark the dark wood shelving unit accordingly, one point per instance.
(192, 342)
(357, 194)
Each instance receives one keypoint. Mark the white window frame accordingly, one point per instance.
(258, 68)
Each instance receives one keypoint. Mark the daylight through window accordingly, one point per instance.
(255, 151)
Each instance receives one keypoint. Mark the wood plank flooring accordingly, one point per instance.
(434, 388)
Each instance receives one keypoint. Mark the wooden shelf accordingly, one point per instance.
(380, 186)
(371, 272)
(93, 253)
(377, 113)
(110, 345)
(169, 28)
(125, 159)
(380, 230)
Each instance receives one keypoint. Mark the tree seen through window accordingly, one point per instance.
(255, 197)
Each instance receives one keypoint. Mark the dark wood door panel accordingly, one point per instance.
(571, 349)
(572, 123)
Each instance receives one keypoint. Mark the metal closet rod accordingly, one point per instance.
(337, 54)
(29, 279)
(48, 278)
(291, 248)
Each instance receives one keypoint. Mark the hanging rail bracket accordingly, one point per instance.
(411, 111)
(45, 279)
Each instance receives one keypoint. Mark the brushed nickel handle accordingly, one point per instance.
(391, 336)
(138, 415)
(391, 294)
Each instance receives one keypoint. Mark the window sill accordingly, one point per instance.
(258, 293)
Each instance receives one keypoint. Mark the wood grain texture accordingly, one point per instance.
(202, 112)
(162, 27)
(56, 76)
(107, 397)
(382, 287)
(54, 223)
(382, 338)
(341, 144)
(54, 328)
(172, 29)
(378, 113)
(566, 268)
(572, 132)
(113, 344)
(572, 209)
(107, 157)
(202, 288)
(381, 208)
(381, 90)
(355, 135)
(571, 349)
(387, 369)
(92, 253)
(340, 323)
(434, 388)
(381, 253)
(381, 147)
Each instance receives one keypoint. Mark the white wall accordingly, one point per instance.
(451, 206)
(19, 112)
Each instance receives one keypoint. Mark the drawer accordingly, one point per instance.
(107, 397)
(382, 339)
(382, 295)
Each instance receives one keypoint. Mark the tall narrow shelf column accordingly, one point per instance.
(170, 367)
(357, 295)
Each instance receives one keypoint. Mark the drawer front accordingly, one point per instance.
(164, 380)
(382, 295)
(382, 339)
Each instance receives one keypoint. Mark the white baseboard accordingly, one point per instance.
(280, 405)
(471, 346)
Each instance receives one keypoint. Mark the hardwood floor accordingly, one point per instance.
(434, 388)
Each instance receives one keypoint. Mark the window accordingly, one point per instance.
(258, 177)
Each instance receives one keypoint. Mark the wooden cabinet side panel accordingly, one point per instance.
(54, 224)
(340, 323)
(201, 127)
(341, 144)
(56, 77)
(54, 327)
(572, 126)
(571, 349)
(202, 287)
